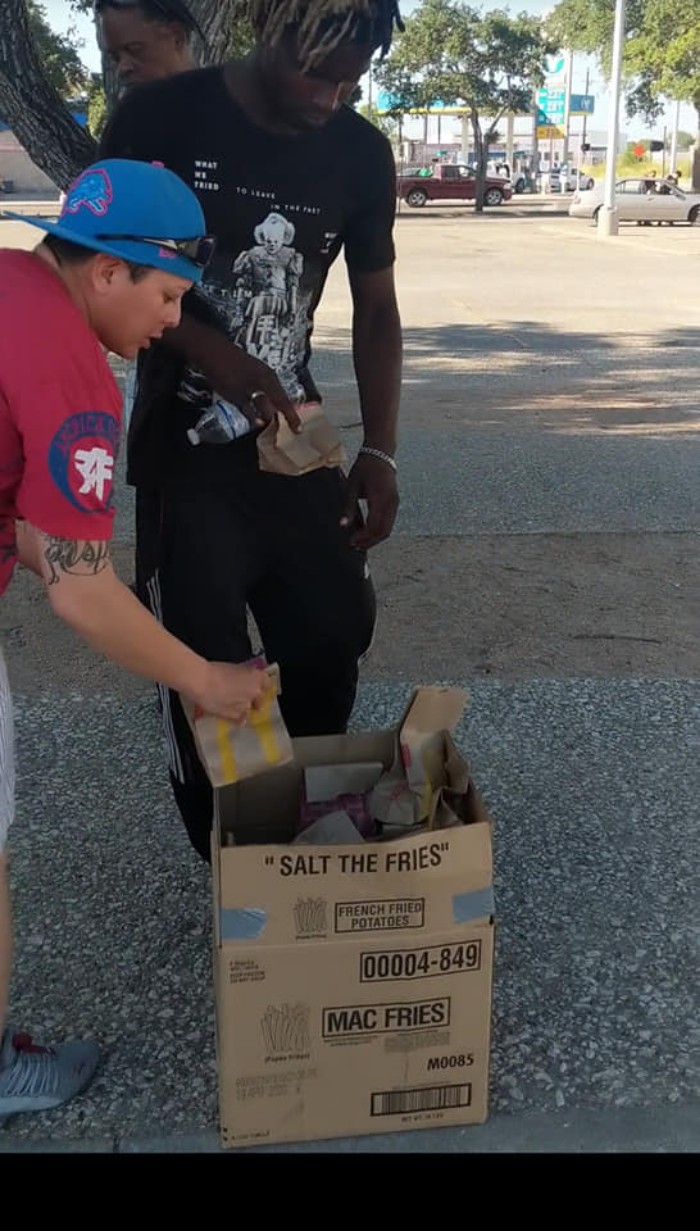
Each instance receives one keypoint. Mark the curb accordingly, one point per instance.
(665, 1129)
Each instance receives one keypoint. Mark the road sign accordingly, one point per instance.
(582, 104)
(387, 102)
(555, 65)
(549, 132)
(551, 105)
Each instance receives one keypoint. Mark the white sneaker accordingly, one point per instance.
(35, 1078)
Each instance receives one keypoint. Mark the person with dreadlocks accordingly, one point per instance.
(288, 177)
(146, 40)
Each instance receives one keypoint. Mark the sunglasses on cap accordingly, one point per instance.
(198, 251)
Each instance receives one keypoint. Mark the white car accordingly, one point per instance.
(641, 200)
(574, 180)
(564, 179)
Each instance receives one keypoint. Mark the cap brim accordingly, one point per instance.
(125, 250)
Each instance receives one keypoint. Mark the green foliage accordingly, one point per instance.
(59, 53)
(662, 48)
(488, 62)
(387, 124)
(631, 163)
(685, 141)
(232, 39)
(97, 107)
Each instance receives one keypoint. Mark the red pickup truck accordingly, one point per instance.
(450, 182)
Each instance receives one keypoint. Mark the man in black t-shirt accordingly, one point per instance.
(288, 176)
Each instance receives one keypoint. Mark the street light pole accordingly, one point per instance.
(607, 217)
(674, 139)
(567, 104)
(582, 139)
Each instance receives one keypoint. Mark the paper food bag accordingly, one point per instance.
(432, 712)
(282, 451)
(426, 787)
(393, 805)
(231, 753)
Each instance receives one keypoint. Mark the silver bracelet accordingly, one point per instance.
(379, 454)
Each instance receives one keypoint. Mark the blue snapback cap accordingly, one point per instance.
(137, 211)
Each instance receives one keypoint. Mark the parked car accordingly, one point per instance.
(572, 179)
(641, 200)
(450, 182)
(564, 179)
(521, 181)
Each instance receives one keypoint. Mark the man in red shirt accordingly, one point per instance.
(109, 276)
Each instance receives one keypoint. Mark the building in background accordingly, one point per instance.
(450, 146)
(19, 176)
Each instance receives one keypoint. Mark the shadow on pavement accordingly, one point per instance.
(528, 374)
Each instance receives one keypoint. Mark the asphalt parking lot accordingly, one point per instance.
(546, 557)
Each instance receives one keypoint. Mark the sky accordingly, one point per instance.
(61, 17)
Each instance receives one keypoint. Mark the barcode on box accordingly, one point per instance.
(430, 1098)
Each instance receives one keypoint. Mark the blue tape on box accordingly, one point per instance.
(244, 924)
(475, 905)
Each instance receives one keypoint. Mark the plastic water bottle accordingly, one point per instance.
(220, 423)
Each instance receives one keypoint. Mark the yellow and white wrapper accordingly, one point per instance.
(229, 753)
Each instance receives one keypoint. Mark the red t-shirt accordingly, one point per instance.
(60, 412)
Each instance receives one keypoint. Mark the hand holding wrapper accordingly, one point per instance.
(230, 753)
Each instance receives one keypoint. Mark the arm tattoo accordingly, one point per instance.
(81, 559)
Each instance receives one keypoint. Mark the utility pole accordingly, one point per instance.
(585, 121)
(465, 136)
(567, 103)
(674, 139)
(607, 218)
(535, 163)
(510, 139)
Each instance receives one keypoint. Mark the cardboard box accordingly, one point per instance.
(353, 983)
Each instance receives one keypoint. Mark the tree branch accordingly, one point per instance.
(31, 106)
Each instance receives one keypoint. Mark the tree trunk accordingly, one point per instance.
(110, 83)
(227, 31)
(480, 160)
(220, 24)
(31, 106)
(40, 119)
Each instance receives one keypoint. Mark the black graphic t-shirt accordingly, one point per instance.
(281, 208)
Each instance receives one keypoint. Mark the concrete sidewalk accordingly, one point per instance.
(546, 557)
